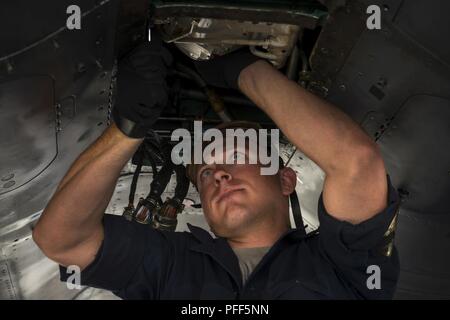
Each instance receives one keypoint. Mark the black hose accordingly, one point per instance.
(160, 181)
(152, 161)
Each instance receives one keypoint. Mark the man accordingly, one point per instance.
(255, 254)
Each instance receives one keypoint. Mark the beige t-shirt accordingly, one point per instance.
(249, 259)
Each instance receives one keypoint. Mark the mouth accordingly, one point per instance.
(227, 193)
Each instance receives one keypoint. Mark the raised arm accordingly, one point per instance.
(355, 187)
(70, 230)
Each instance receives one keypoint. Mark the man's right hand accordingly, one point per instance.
(224, 71)
(142, 91)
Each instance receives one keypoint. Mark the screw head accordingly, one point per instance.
(9, 184)
(8, 177)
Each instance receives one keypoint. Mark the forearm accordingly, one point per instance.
(322, 131)
(355, 186)
(75, 211)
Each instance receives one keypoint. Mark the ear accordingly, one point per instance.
(288, 180)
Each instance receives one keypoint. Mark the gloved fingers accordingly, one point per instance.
(142, 92)
(224, 71)
(155, 99)
(150, 72)
(148, 57)
(166, 56)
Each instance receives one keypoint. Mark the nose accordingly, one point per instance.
(220, 175)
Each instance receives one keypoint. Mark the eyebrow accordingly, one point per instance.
(222, 153)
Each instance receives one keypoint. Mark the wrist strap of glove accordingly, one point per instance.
(128, 127)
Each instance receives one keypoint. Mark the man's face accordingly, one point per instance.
(236, 196)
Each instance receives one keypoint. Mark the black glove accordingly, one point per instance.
(224, 71)
(142, 91)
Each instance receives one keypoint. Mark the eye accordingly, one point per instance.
(236, 156)
(205, 173)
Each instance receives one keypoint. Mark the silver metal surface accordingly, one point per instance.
(309, 185)
(53, 104)
(26, 152)
(201, 38)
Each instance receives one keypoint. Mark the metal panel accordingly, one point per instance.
(396, 83)
(67, 76)
(27, 22)
(27, 133)
(431, 33)
(415, 149)
(306, 13)
(80, 63)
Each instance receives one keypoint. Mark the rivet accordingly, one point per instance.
(81, 67)
(8, 177)
(382, 82)
(9, 184)
(9, 67)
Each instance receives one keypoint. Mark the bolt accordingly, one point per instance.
(342, 87)
(81, 67)
(9, 67)
(403, 193)
(9, 184)
(8, 177)
(382, 82)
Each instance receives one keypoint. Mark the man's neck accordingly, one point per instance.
(257, 239)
